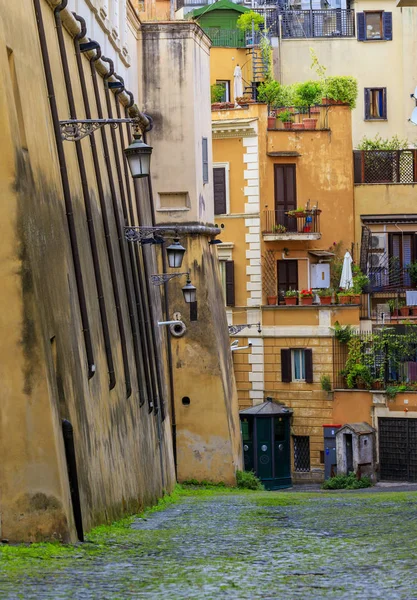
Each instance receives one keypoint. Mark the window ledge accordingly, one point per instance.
(376, 119)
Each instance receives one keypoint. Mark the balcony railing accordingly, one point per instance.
(318, 23)
(197, 3)
(228, 38)
(282, 223)
(385, 166)
(318, 113)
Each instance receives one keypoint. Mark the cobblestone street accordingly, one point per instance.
(239, 546)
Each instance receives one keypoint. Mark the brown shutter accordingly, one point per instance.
(285, 365)
(285, 195)
(367, 103)
(219, 189)
(357, 166)
(230, 283)
(308, 357)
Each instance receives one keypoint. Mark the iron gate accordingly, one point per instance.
(398, 449)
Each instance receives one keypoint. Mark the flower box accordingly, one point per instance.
(325, 300)
(291, 301)
(307, 301)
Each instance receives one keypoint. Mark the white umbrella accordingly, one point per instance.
(346, 278)
(237, 83)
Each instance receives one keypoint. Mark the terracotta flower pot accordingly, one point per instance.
(272, 121)
(306, 301)
(355, 299)
(414, 311)
(395, 312)
(310, 123)
(404, 311)
(325, 299)
(315, 110)
(344, 299)
(291, 300)
(298, 126)
(288, 124)
(272, 300)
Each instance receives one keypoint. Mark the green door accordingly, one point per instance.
(264, 448)
(246, 424)
(282, 460)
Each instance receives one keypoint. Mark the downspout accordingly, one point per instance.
(65, 187)
(280, 48)
(308, 266)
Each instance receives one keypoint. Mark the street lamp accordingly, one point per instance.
(175, 253)
(189, 290)
(138, 156)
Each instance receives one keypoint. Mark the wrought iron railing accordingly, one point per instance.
(196, 3)
(228, 38)
(319, 113)
(385, 166)
(280, 222)
(318, 23)
(388, 356)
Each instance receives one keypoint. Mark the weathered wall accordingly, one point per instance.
(176, 93)
(208, 431)
(46, 367)
(223, 62)
(373, 63)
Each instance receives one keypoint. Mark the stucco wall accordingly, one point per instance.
(374, 64)
(44, 365)
(176, 93)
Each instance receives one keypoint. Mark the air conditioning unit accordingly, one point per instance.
(377, 241)
(376, 261)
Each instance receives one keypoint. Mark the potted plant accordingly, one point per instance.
(291, 297)
(360, 282)
(216, 93)
(306, 297)
(403, 308)
(286, 118)
(269, 92)
(325, 295)
(345, 296)
(393, 307)
(279, 228)
(341, 89)
(413, 311)
(359, 376)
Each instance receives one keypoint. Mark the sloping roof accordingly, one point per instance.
(219, 5)
(358, 428)
(267, 408)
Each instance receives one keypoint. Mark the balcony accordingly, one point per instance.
(291, 225)
(198, 3)
(331, 23)
(385, 166)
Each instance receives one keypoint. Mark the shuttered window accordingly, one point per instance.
(375, 103)
(374, 26)
(297, 365)
(287, 276)
(205, 161)
(230, 283)
(219, 190)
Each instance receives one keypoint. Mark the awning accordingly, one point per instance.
(375, 219)
(321, 253)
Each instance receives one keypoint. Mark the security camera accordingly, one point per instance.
(250, 344)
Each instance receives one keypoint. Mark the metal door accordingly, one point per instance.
(264, 448)
(398, 449)
(282, 447)
(247, 438)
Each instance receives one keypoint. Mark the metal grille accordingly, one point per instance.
(318, 23)
(398, 449)
(385, 166)
(228, 38)
(301, 453)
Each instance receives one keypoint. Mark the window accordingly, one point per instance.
(296, 365)
(375, 103)
(287, 276)
(301, 453)
(374, 25)
(205, 160)
(221, 188)
(227, 276)
(226, 89)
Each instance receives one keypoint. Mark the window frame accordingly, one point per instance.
(205, 160)
(226, 167)
(381, 25)
(226, 83)
(296, 453)
(302, 365)
(368, 91)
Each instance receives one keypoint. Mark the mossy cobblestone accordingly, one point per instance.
(223, 544)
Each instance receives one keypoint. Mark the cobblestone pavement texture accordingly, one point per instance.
(245, 546)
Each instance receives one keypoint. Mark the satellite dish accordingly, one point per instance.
(413, 117)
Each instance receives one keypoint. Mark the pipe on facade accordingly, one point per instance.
(143, 303)
(128, 264)
(106, 224)
(68, 435)
(66, 189)
(86, 196)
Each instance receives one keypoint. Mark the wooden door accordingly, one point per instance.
(285, 196)
(287, 276)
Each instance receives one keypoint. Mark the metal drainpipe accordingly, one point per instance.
(66, 189)
(87, 200)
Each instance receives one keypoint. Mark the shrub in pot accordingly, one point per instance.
(286, 118)
(341, 89)
(325, 295)
(291, 297)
